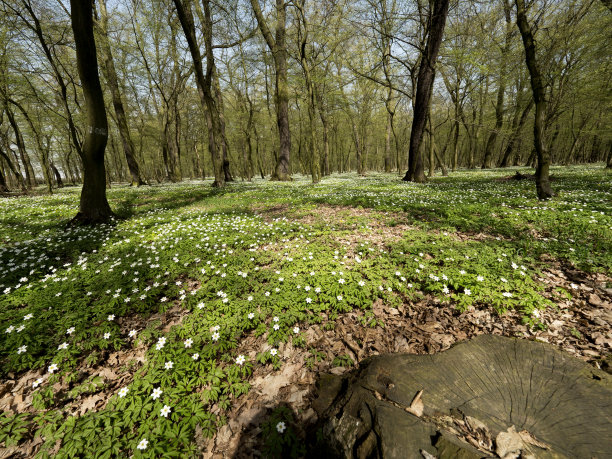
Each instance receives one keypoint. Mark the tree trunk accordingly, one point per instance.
(204, 82)
(501, 89)
(23, 152)
(325, 123)
(543, 187)
(3, 185)
(517, 127)
(58, 177)
(358, 147)
(430, 131)
(437, 21)
(11, 166)
(278, 47)
(111, 77)
(389, 131)
(93, 207)
(609, 159)
(225, 144)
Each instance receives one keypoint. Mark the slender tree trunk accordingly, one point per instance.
(23, 152)
(3, 186)
(437, 21)
(325, 123)
(93, 207)
(11, 166)
(58, 177)
(44, 163)
(501, 89)
(517, 127)
(543, 188)
(225, 145)
(432, 161)
(609, 159)
(110, 73)
(204, 82)
(389, 131)
(358, 147)
(278, 47)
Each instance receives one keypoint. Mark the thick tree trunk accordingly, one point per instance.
(93, 207)
(543, 187)
(112, 80)
(437, 21)
(278, 47)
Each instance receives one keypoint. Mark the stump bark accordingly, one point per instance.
(561, 403)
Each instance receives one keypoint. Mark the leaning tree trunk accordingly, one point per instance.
(111, 78)
(437, 21)
(543, 187)
(93, 207)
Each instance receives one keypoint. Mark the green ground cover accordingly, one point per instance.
(244, 260)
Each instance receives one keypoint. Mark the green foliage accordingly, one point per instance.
(221, 272)
(279, 435)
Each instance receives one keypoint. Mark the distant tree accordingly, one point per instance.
(543, 187)
(501, 89)
(93, 207)
(278, 47)
(204, 81)
(113, 83)
(426, 75)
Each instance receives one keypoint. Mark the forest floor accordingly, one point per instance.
(202, 318)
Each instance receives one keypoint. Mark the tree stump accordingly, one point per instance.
(507, 397)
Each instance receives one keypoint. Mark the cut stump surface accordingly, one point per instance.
(476, 390)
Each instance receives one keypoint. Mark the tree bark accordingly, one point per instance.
(112, 80)
(543, 187)
(517, 127)
(93, 207)
(278, 47)
(11, 166)
(204, 82)
(58, 177)
(432, 161)
(23, 152)
(501, 89)
(437, 21)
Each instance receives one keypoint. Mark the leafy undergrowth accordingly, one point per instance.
(133, 338)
